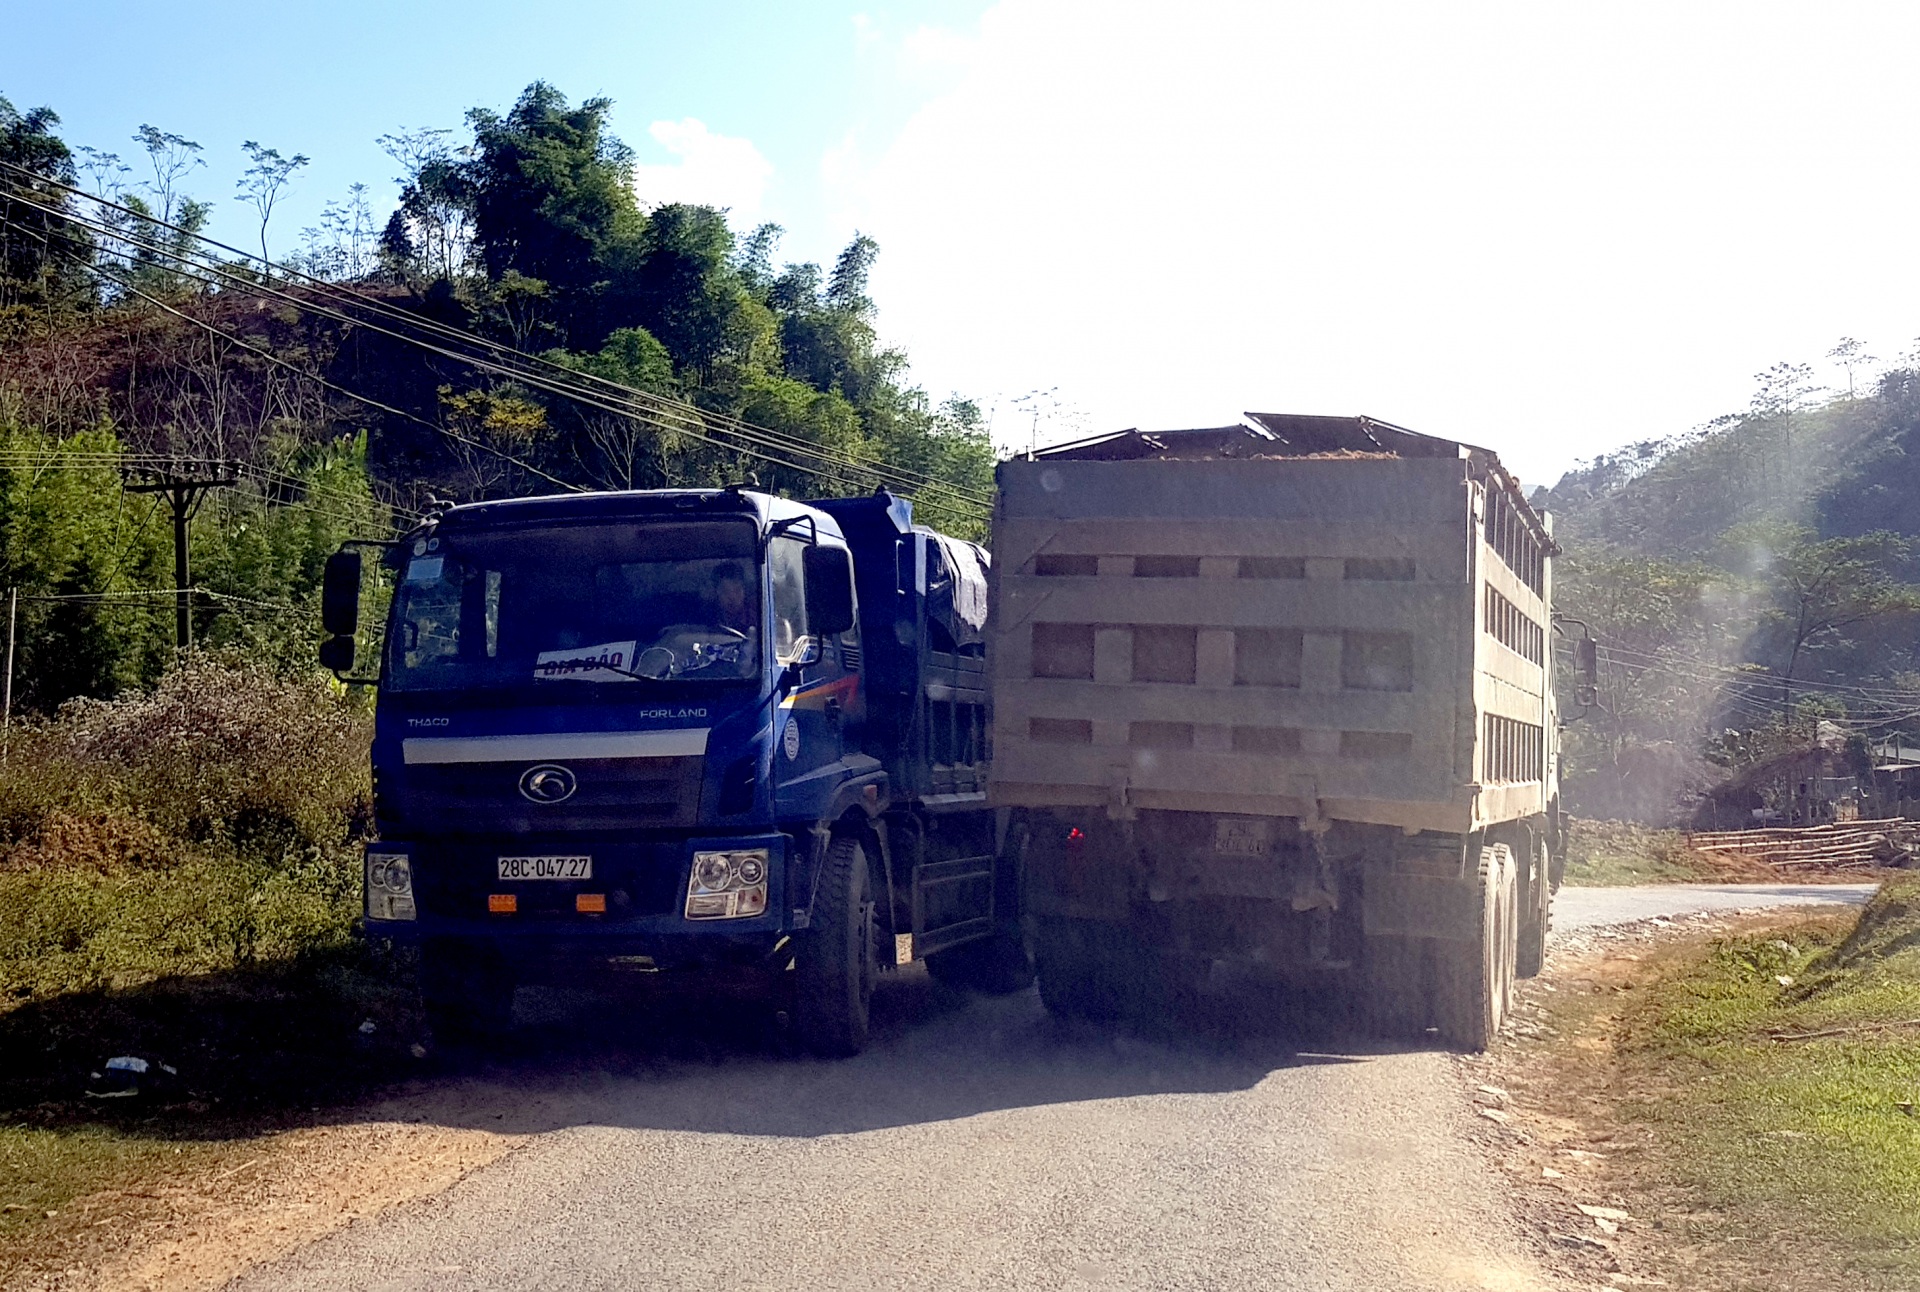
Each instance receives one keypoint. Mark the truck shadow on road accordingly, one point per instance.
(936, 1055)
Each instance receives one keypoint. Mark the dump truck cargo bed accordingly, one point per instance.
(1278, 691)
(1277, 636)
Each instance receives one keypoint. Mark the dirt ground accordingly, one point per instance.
(283, 1192)
(1587, 1180)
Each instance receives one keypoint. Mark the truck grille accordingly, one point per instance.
(459, 799)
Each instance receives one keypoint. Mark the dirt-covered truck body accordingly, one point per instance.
(1278, 692)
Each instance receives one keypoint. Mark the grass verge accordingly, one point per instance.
(1793, 1058)
(259, 1043)
(1748, 1098)
(1612, 853)
(179, 881)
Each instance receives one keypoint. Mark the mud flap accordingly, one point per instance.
(1420, 906)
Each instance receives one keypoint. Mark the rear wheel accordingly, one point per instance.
(835, 967)
(467, 992)
(1473, 979)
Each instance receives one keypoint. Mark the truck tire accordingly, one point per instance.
(1538, 895)
(997, 964)
(1473, 979)
(835, 967)
(1084, 969)
(467, 993)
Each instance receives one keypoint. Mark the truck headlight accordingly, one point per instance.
(389, 886)
(728, 885)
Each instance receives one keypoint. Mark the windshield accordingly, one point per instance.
(618, 603)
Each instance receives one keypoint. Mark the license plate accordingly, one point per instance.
(546, 868)
(1242, 838)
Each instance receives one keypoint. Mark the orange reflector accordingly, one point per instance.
(590, 903)
(503, 903)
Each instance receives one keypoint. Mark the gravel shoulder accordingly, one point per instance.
(1591, 1127)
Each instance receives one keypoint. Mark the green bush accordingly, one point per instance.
(222, 752)
(205, 825)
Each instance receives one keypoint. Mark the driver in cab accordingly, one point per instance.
(729, 607)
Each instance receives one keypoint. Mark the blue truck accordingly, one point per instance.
(707, 733)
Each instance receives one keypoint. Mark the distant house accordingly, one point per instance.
(1896, 789)
(1809, 785)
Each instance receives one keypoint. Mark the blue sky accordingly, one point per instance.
(1551, 229)
(328, 79)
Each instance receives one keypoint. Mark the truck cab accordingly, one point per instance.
(634, 730)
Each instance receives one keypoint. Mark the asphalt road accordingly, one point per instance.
(977, 1144)
(1580, 908)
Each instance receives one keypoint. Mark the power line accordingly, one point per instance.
(640, 405)
(1707, 670)
(369, 508)
(1759, 704)
(339, 389)
(225, 279)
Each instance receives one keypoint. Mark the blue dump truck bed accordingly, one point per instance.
(683, 733)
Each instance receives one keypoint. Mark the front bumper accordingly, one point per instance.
(643, 884)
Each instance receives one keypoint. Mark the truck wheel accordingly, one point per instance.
(996, 964)
(1473, 979)
(1084, 969)
(468, 994)
(834, 971)
(1533, 929)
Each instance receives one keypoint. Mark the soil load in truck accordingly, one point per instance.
(1278, 693)
(680, 735)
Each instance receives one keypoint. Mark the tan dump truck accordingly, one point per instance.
(1278, 693)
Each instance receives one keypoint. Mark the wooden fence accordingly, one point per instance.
(1843, 845)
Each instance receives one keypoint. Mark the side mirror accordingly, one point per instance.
(336, 654)
(829, 573)
(340, 594)
(1586, 661)
(806, 652)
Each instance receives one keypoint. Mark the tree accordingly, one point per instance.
(105, 171)
(342, 246)
(549, 189)
(1851, 354)
(1825, 590)
(1784, 391)
(173, 158)
(431, 231)
(41, 254)
(261, 186)
(164, 219)
(625, 452)
(826, 331)
(683, 287)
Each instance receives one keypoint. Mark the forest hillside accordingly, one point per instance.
(513, 322)
(1747, 582)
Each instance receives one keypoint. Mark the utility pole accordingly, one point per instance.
(184, 493)
(13, 619)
